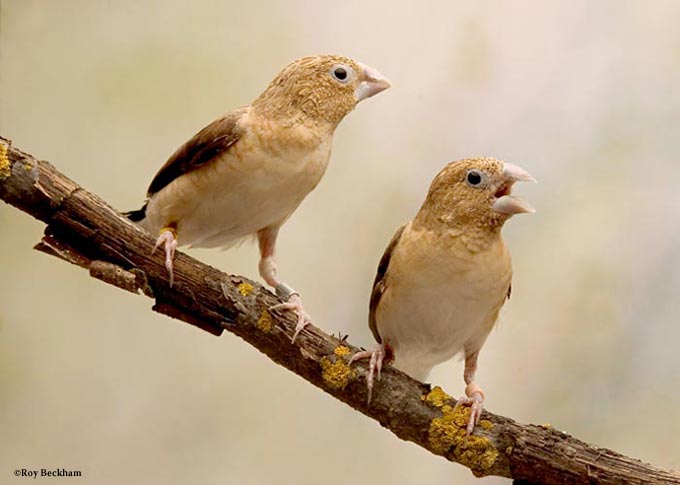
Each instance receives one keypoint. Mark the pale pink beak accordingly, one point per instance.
(372, 83)
(506, 203)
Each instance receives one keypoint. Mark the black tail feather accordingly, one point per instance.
(137, 215)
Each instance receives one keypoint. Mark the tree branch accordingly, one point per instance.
(82, 229)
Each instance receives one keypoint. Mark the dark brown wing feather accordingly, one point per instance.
(379, 283)
(205, 146)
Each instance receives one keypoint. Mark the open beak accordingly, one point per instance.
(506, 203)
(371, 83)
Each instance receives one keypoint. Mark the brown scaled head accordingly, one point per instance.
(477, 192)
(323, 88)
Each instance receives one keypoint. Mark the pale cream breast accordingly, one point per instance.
(451, 294)
(257, 183)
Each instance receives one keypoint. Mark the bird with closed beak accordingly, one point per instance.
(246, 172)
(446, 274)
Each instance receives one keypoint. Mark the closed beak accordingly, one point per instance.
(371, 83)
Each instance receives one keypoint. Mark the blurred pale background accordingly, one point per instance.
(582, 94)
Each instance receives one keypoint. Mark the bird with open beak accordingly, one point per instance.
(246, 172)
(446, 274)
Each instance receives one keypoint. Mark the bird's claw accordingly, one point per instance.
(474, 399)
(168, 240)
(294, 303)
(377, 356)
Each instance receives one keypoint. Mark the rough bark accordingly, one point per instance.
(84, 230)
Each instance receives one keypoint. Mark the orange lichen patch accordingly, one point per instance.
(437, 397)
(336, 374)
(486, 425)
(477, 453)
(264, 323)
(449, 430)
(341, 351)
(5, 168)
(245, 288)
(447, 434)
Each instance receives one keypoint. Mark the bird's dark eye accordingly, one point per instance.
(474, 178)
(341, 73)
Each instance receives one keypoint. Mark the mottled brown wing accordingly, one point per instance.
(379, 283)
(204, 147)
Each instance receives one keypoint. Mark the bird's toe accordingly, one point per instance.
(168, 240)
(475, 400)
(376, 356)
(294, 304)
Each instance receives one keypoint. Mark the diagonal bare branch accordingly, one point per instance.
(82, 229)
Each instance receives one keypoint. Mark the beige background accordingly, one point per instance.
(582, 94)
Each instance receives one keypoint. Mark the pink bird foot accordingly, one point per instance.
(294, 303)
(474, 397)
(377, 356)
(168, 240)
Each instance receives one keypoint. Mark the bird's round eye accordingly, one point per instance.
(341, 73)
(474, 178)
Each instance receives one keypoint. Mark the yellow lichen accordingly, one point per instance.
(28, 166)
(447, 434)
(5, 171)
(336, 374)
(486, 425)
(477, 453)
(341, 351)
(245, 288)
(264, 323)
(437, 397)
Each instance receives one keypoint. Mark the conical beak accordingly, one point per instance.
(371, 83)
(506, 203)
